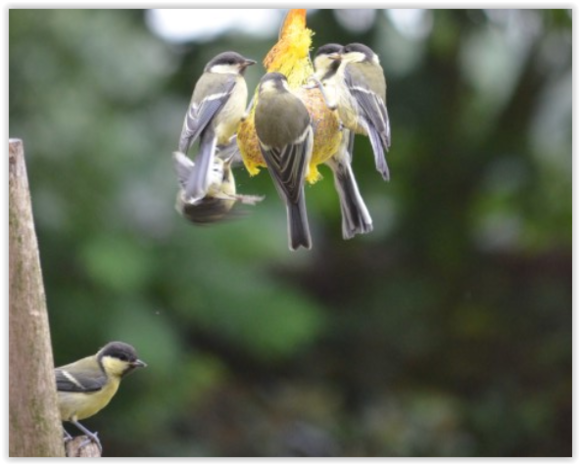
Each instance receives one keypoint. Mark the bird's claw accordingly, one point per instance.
(92, 438)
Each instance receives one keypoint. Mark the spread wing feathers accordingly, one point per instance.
(199, 180)
(183, 167)
(229, 153)
(287, 165)
(79, 379)
(200, 113)
(242, 198)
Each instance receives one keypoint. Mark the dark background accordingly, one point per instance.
(445, 332)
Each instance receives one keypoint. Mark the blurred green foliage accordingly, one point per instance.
(446, 332)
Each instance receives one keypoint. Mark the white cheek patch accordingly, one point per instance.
(354, 57)
(225, 69)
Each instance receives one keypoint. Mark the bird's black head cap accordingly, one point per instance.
(120, 350)
(360, 48)
(328, 49)
(231, 59)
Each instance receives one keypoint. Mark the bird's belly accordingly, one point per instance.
(82, 405)
(231, 114)
(348, 113)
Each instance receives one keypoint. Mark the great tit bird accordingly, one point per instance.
(86, 386)
(359, 90)
(290, 56)
(217, 106)
(284, 130)
(355, 215)
(221, 195)
(326, 64)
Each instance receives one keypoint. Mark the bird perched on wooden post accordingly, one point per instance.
(87, 386)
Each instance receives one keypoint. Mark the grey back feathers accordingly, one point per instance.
(284, 130)
(79, 379)
(281, 117)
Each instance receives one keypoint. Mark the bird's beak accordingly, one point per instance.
(248, 63)
(138, 364)
(335, 56)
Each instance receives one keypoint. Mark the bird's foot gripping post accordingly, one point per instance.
(87, 445)
(82, 446)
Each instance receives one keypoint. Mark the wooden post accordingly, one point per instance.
(34, 422)
(82, 446)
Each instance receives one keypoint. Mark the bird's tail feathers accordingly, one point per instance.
(356, 218)
(298, 228)
(377, 145)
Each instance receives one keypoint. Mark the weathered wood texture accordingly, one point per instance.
(34, 424)
(82, 446)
